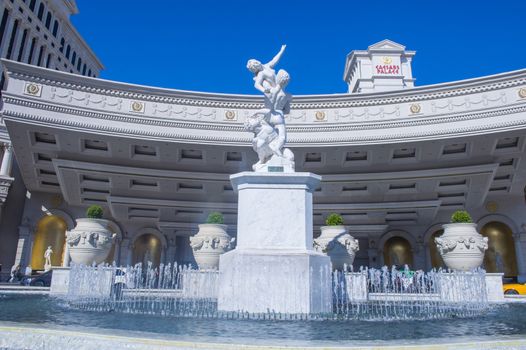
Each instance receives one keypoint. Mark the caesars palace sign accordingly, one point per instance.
(387, 67)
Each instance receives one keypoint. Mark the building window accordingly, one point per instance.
(22, 45)
(48, 20)
(62, 43)
(12, 40)
(3, 24)
(55, 28)
(89, 72)
(68, 49)
(31, 50)
(32, 5)
(73, 58)
(84, 69)
(40, 54)
(48, 62)
(79, 64)
(41, 10)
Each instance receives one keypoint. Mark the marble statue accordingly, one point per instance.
(47, 257)
(268, 123)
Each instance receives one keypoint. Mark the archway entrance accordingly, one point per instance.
(500, 256)
(397, 251)
(146, 248)
(51, 231)
(436, 258)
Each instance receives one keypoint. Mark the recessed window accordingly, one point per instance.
(50, 183)
(190, 186)
(41, 157)
(46, 172)
(233, 156)
(354, 188)
(95, 178)
(43, 137)
(144, 150)
(94, 191)
(449, 195)
(507, 142)
(356, 156)
(402, 186)
(144, 183)
(455, 148)
(404, 153)
(498, 189)
(97, 145)
(452, 183)
(228, 188)
(507, 162)
(313, 157)
(502, 177)
(191, 154)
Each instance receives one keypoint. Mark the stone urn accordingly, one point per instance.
(462, 248)
(338, 244)
(209, 243)
(90, 241)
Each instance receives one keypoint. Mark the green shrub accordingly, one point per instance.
(215, 218)
(461, 217)
(334, 220)
(94, 212)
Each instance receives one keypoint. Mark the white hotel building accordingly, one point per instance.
(396, 160)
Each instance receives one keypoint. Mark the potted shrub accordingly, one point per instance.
(461, 246)
(211, 241)
(91, 239)
(336, 242)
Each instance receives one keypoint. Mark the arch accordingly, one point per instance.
(68, 50)
(50, 231)
(433, 257)
(501, 255)
(148, 244)
(397, 233)
(397, 251)
(497, 217)
(62, 214)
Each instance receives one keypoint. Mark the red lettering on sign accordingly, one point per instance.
(387, 69)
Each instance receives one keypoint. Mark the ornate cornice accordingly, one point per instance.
(215, 100)
(316, 134)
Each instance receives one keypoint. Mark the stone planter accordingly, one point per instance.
(90, 241)
(209, 243)
(338, 244)
(461, 246)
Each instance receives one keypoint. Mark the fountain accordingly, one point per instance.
(274, 271)
(273, 274)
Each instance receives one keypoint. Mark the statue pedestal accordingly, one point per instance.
(274, 267)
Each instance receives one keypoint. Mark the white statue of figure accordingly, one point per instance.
(47, 257)
(268, 124)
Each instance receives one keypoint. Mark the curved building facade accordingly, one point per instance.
(396, 159)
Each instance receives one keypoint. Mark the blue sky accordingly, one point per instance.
(204, 44)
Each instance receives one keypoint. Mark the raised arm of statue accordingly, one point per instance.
(276, 58)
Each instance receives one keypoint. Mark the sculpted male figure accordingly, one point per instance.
(47, 257)
(268, 124)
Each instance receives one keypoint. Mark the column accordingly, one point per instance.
(24, 245)
(67, 257)
(520, 252)
(171, 250)
(7, 160)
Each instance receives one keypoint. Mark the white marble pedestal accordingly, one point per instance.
(274, 267)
